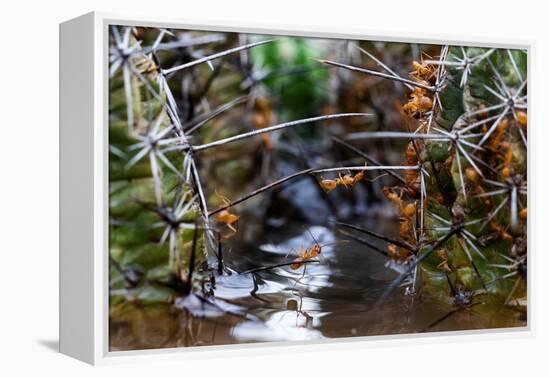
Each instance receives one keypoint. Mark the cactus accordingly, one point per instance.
(483, 100)
(158, 209)
(464, 209)
(151, 210)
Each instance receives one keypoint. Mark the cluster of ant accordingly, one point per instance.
(421, 100)
(347, 180)
(503, 161)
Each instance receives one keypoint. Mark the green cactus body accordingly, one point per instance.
(480, 185)
(139, 236)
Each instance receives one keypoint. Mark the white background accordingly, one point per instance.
(29, 185)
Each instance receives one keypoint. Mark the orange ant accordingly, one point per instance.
(261, 118)
(308, 254)
(473, 176)
(496, 139)
(419, 103)
(522, 118)
(422, 71)
(444, 265)
(351, 180)
(225, 216)
(523, 214)
(508, 156)
(347, 180)
(359, 176)
(407, 212)
(412, 177)
(501, 231)
(398, 253)
(329, 184)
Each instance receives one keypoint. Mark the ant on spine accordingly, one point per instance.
(407, 212)
(226, 217)
(347, 180)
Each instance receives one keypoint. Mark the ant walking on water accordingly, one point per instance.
(308, 254)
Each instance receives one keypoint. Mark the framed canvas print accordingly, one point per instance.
(224, 187)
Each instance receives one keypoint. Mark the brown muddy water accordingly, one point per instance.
(334, 298)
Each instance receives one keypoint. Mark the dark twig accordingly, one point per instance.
(438, 321)
(259, 269)
(189, 282)
(370, 159)
(397, 281)
(364, 242)
(259, 191)
(220, 255)
(448, 315)
(404, 245)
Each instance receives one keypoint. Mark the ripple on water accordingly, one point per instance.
(333, 298)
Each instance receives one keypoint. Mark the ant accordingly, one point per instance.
(307, 255)
(407, 212)
(419, 103)
(226, 216)
(444, 265)
(496, 139)
(359, 176)
(473, 176)
(398, 253)
(149, 66)
(412, 177)
(329, 184)
(347, 180)
(262, 117)
(521, 116)
(422, 71)
(523, 214)
(501, 231)
(508, 155)
(294, 306)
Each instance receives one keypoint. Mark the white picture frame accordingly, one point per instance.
(84, 191)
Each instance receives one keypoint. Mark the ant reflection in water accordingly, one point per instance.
(296, 305)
